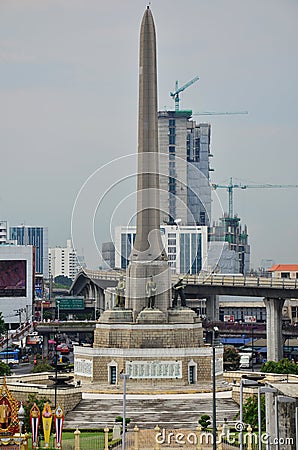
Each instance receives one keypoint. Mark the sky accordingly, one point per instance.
(68, 108)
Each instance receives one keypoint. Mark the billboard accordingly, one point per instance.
(13, 278)
(229, 318)
(33, 339)
(250, 319)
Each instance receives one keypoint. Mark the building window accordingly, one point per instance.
(192, 372)
(295, 313)
(172, 139)
(112, 371)
(202, 218)
(285, 274)
(172, 185)
(172, 123)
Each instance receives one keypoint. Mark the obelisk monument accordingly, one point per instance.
(155, 344)
(148, 258)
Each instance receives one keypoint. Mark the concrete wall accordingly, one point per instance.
(21, 387)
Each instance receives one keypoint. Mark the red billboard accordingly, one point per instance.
(13, 278)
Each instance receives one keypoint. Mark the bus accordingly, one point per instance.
(10, 357)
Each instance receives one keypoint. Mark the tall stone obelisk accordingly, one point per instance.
(148, 257)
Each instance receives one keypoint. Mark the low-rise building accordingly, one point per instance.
(287, 271)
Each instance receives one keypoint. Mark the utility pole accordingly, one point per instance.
(214, 344)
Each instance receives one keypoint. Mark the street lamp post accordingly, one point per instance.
(252, 347)
(262, 390)
(41, 310)
(124, 377)
(7, 343)
(214, 337)
(58, 309)
(251, 383)
(21, 416)
(56, 366)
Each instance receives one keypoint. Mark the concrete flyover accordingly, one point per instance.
(274, 291)
(46, 329)
(92, 284)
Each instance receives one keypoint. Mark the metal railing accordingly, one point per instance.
(237, 280)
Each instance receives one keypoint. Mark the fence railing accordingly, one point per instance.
(160, 438)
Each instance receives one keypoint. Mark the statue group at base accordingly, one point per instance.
(151, 290)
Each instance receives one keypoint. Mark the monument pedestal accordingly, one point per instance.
(166, 350)
(116, 315)
(182, 315)
(151, 315)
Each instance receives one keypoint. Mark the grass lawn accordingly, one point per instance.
(89, 440)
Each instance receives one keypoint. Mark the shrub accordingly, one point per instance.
(205, 422)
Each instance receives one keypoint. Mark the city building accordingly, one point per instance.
(4, 232)
(233, 256)
(63, 261)
(16, 282)
(108, 254)
(287, 271)
(38, 238)
(186, 247)
(240, 309)
(184, 148)
(185, 190)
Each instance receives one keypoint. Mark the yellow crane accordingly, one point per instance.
(231, 186)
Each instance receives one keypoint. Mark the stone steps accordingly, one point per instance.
(147, 413)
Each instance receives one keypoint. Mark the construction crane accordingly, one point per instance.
(175, 94)
(231, 186)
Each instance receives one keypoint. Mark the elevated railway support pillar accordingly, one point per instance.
(45, 345)
(274, 328)
(212, 308)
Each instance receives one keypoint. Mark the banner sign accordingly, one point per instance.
(34, 421)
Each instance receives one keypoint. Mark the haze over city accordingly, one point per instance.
(68, 106)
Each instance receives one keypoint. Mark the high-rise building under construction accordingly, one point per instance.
(185, 198)
(184, 147)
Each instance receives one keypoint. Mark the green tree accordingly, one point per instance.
(2, 325)
(231, 358)
(32, 398)
(250, 412)
(4, 369)
(42, 366)
(282, 366)
(62, 281)
(205, 422)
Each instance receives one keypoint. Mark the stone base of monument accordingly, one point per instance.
(182, 315)
(165, 351)
(151, 315)
(117, 315)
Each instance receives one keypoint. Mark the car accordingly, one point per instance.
(63, 348)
